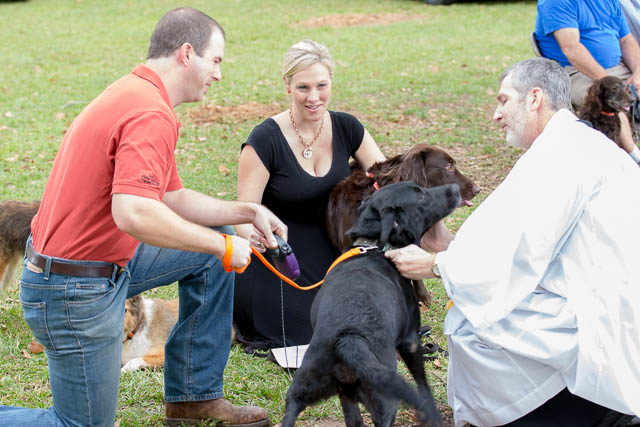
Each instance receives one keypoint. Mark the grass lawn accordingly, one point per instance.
(410, 72)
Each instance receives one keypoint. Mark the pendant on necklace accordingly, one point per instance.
(307, 153)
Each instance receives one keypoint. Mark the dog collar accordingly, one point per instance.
(606, 113)
(370, 243)
(132, 332)
(376, 186)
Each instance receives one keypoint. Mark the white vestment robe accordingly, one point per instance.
(545, 278)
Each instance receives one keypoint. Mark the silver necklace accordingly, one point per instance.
(308, 151)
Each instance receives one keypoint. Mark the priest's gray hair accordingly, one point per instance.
(544, 73)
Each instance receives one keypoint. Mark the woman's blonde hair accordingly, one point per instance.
(303, 54)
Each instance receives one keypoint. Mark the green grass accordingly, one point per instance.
(431, 79)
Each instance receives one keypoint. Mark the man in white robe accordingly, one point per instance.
(545, 274)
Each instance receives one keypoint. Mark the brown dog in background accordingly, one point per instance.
(147, 322)
(426, 165)
(147, 325)
(605, 99)
(15, 226)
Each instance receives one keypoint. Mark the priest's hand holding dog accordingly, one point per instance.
(416, 262)
(412, 262)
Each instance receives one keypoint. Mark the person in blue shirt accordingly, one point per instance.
(591, 39)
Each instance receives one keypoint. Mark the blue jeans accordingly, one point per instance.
(79, 321)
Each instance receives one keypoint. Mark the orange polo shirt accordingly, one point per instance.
(122, 142)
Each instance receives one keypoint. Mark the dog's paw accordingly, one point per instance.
(422, 294)
(134, 365)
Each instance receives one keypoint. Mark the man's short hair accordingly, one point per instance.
(544, 73)
(179, 26)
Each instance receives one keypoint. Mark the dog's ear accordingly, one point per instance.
(381, 221)
(593, 102)
(135, 299)
(375, 216)
(368, 223)
(134, 304)
(402, 228)
(387, 224)
(414, 166)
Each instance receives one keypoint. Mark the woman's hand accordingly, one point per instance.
(266, 224)
(252, 235)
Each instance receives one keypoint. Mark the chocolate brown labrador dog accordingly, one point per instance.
(426, 165)
(366, 312)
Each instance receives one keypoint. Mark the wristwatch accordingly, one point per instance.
(435, 270)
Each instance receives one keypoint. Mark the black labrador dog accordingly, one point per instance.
(366, 312)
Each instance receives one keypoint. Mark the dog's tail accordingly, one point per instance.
(354, 352)
(15, 226)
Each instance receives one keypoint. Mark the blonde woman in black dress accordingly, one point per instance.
(290, 163)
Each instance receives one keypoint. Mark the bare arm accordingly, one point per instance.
(577, 54)
(208, 211)
(368, 153)
(252, 180)
(153, 222)
(181, 221)
(437, 238)
(202, 209)
(631, 57)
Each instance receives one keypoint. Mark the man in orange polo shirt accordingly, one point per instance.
(115, 221)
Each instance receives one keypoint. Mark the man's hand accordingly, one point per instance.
(630, 52)
(412, 262)
(241, 252)
(635, 81)
(266, 223)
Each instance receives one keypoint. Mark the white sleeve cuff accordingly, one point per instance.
(635, 154)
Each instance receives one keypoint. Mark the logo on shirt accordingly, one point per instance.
(150, 180)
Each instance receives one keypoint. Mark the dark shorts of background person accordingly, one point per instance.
(568, 410)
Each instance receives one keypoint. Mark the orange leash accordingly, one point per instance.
(348, 254)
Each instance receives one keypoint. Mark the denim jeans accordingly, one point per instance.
(79, 321)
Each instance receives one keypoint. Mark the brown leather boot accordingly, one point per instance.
(221, 411)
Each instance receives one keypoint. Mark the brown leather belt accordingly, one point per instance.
(75, 269)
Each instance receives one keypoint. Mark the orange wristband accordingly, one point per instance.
(228, 254)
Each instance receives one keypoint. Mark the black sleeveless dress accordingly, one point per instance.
(263, 306)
